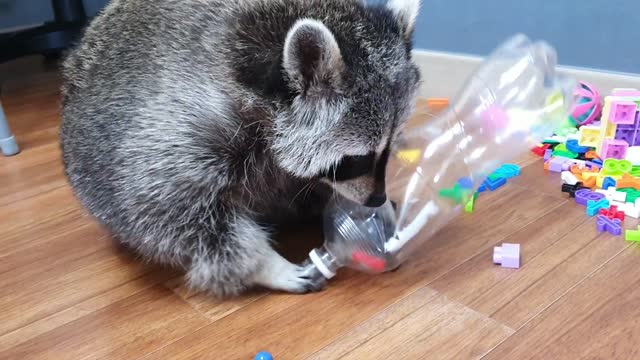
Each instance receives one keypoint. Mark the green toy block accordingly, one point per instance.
(632, 194)
(632, 235)
(561, 150)
(614, 167)
(471, 203)
(458, 193)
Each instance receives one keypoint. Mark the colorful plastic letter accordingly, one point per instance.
(614, 226)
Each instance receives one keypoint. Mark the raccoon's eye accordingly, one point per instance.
(351, 167)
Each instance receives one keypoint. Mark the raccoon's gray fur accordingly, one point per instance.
(192, 126)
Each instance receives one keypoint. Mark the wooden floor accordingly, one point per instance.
(67, 293)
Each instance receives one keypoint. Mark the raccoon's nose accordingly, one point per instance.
(376, 200)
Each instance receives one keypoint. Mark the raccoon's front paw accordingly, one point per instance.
(280, 274)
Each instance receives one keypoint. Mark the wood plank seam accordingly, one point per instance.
(550, 304)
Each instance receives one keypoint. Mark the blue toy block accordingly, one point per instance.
(507, 171)
(466, 183)
(493, 183)
(573, 146)
(608, 182)
(593, 206)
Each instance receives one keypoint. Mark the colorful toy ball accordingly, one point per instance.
(589, 104)
(263, 355)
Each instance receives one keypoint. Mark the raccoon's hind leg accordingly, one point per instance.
(244, 258)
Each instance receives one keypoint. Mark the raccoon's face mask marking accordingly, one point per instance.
(361, 178)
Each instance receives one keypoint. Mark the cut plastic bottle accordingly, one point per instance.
(510, 104)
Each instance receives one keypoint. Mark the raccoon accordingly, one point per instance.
(191, 128)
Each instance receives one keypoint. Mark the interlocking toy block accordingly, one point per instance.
(628, 181)
(633, 155)
(507, 171)
(613, 226)
(612, 194)
(591, 154)
(555, 163)
(608, 182)
(458, 193)
(607, 128)
(507, 255)
(629, 208)
(573, 146)
(471, 203)
(632, 194)
(612, 213)
(614, 149)
(628, 133)
(569, 178)
(613, 167)
(595, 162)
(590, 182)
(593, 207)
(466, 183)
(572, 188)
(632, 235)
(585, 195)
(540, 150)
(410, 156)
(623, 112)
(369, 261)
(492, 184)
(562, 150)
(601, 178)
(589, 136)
(548, 154)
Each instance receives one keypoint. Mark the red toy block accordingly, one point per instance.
(612, 213)
(540, 150)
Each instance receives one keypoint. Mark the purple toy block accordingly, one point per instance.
(627, 133)
(614, 226)
(585, 195)
(614, 149)
(547, 154)
(555, 164)
(507, 255)
(623, 112)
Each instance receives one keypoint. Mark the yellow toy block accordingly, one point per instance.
(589, 136)
(607, 128)
(410, 156)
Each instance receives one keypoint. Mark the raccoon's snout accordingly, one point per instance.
(362, 190)
(376, 200)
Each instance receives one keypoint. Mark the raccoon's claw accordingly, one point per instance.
(285, 276)
(304, 280)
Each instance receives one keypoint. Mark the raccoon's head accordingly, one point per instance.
(353, 83)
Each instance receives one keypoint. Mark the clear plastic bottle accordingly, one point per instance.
(513, 101)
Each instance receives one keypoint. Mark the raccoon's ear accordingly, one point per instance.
(312, 56)
(406, 12)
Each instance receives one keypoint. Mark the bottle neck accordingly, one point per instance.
(325, 262)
